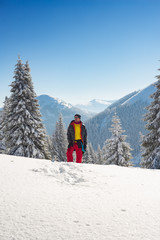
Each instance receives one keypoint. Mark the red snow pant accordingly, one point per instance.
(78, 153)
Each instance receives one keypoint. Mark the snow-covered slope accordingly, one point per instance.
(51, 107)
(141, 95)
(95, 105)
(43, 200)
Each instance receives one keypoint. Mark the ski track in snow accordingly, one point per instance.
(46, 200)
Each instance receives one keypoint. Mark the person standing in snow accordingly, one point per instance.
(77, 139)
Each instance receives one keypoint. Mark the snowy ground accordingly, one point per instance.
(43, 200)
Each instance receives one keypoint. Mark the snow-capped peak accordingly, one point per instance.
(95, 105)
(50, 99)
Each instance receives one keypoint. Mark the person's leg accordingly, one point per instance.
(78, 154)
(70, 154)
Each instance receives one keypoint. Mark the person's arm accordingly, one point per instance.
(69, 134)
(85, 139)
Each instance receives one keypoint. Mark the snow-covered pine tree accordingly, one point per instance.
(3, 124)
(116, 150)
(151, 141)
(49, 144)
(54, 144)
(99, 155)
(92, 154)
(59, 141)
(26, 134)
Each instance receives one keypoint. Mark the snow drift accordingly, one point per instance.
(45, 200)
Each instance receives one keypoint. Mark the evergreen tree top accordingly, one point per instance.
(116, 128)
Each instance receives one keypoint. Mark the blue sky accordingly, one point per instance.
(81, 49)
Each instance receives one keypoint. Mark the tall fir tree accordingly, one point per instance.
(116, 150)
(26, 135)
(151, 141)
(59, 141)
(49, 144)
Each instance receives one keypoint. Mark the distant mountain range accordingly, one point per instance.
(131, 110)
(51, 107)
(95, 105)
